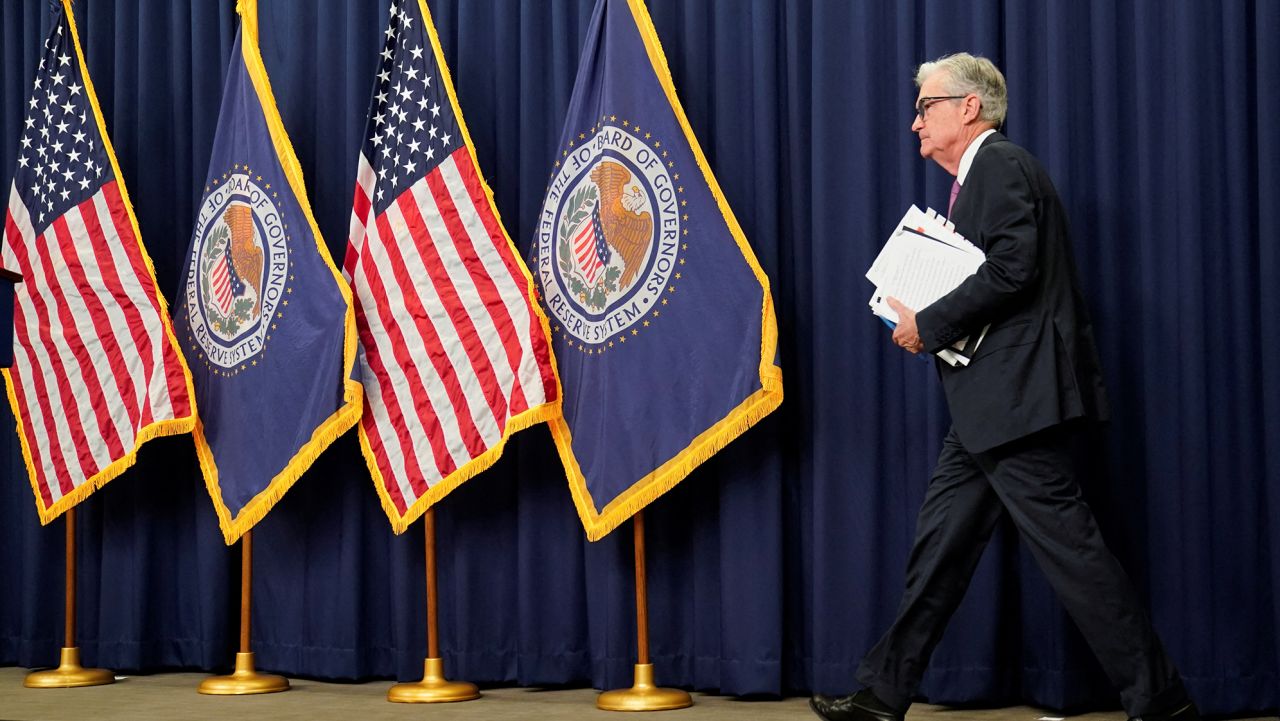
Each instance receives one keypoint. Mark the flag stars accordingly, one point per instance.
(417, 53)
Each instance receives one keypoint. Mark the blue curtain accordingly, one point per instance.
(774, 567)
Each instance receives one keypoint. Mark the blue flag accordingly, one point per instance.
(663, 324)
(264, 317)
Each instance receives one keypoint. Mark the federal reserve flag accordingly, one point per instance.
(455, 356)
(264, 317)
(663, 325)
(96, 370)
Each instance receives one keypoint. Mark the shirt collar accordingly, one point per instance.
(970, 153)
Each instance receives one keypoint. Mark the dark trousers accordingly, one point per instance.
(1034, 480)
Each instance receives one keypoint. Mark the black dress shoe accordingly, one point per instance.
(1185, 711)
(861, 706)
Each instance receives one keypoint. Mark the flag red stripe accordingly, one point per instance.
(464, 329)
(79, 345)
(176, 379)
(402, 355)
(21, 340)
(434, 347)
(115, 354)
(395, 413)
(59, 370)
(537, 339)
(374, 435)
(24, 412)
(485, 285)
(45, 409)
(360, 209)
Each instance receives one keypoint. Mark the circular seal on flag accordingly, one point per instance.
(609, 234)
(237, 271)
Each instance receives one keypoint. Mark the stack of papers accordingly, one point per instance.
(923, 260)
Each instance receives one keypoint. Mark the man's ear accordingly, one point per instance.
(972, 107)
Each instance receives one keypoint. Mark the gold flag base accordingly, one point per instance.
(433, 688)
(644, 696)
(69, 674)
(245, 680)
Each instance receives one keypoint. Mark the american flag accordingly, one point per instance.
(590, 247)
(454, 350)
(221, 279)
(96, 369)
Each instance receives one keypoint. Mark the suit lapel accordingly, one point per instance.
(965, 212)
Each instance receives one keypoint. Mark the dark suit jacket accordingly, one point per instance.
(1038, 365)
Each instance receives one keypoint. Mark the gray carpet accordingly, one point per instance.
(172, 696)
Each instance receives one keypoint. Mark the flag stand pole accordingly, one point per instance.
(643, 695)
(244, 680)
(433, 688)
(69, 673)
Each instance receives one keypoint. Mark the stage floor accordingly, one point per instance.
(172, 696)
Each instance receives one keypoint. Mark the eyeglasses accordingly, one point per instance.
(923, 104)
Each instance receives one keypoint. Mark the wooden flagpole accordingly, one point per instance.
(643, 695)
(433, 688)
(69, 673)
(244, 680)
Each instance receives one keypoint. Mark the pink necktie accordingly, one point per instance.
(955, 190)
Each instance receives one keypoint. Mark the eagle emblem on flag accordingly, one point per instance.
(609, 254)
(239, 270)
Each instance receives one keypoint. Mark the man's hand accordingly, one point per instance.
(906, 334)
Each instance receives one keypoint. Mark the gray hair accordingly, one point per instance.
(975, 74)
